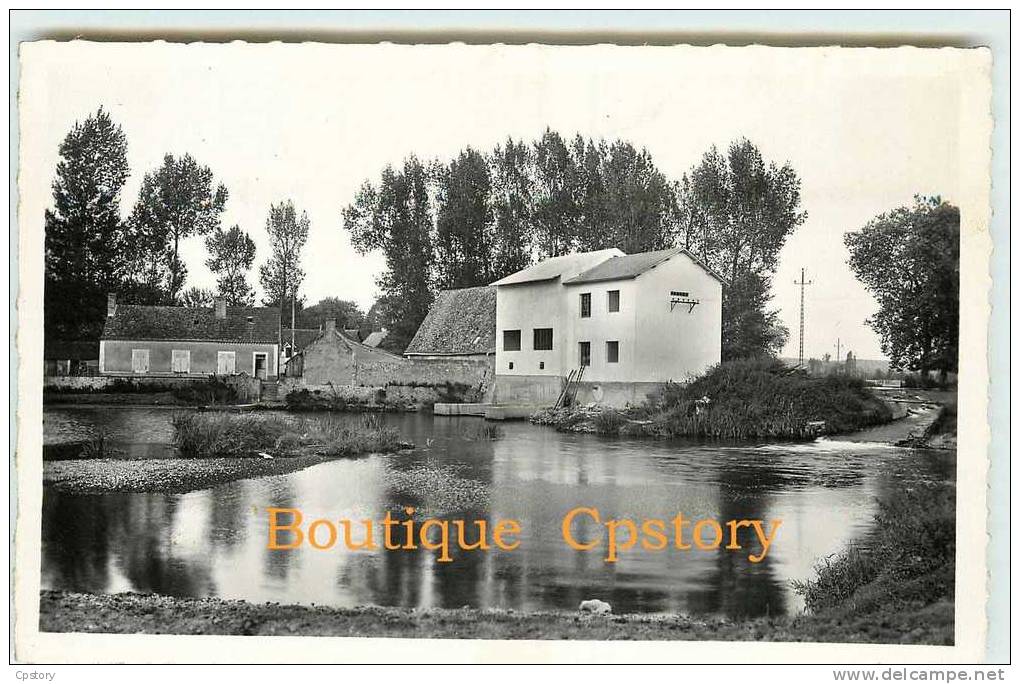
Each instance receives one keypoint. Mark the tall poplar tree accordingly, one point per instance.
(231, 255)
(85, 238)
(176, 201)
(281, 277)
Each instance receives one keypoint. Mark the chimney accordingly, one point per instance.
(221, 307)
(111, 303)
(331, 325)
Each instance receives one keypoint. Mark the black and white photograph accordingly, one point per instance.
(478, 343)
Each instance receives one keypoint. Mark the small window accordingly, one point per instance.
(543, 339)
(140, 360)
(586, 305)
(541, 365)
(614, 301)
(180, 360)
(510, 365)
(612, 352)
(511, 340)
(584, 353)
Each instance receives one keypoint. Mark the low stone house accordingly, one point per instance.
(70, 357)
(333, 358)
(177, 341)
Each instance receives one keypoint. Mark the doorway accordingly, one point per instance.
(261, 363)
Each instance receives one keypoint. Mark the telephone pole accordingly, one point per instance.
(802, 283)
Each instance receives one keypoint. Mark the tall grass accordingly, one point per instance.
(609, 422)
(908, 561)
(763, 398)
(231, 434)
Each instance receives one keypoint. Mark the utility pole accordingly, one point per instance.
(800, 351)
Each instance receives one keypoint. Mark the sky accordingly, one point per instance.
(864, 129)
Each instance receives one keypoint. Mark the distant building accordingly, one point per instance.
(332, 358)
(631, 322)
(460, 324)
(167, 341)
(375, 338)
(71, 357)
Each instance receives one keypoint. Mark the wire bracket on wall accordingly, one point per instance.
(682, 299)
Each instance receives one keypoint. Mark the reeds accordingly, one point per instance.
(231, 434)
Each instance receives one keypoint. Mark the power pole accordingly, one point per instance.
(802, 283)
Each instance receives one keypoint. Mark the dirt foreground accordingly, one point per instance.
(130, 613)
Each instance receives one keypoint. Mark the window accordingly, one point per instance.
(543, 339)
(140, 360)
(613, 303)
(541, 365)
(584, 351)
(586, 305)
(225, 363)
(180, 361)
(511, 340)
(511, 365)
(612, 352)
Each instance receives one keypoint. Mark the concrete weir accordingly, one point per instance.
(487, 411)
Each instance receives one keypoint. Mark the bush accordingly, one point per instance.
(763, 398)
(483, 431)
(212, 391)
(230, 434)
(608, 422)
(908, 561)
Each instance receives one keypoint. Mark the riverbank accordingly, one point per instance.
(166, 475)
(62, 611)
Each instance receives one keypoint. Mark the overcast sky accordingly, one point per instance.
(864, 129)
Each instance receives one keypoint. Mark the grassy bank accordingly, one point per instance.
(209, 392)
(743, 399)
(218, 433)
(907, 567)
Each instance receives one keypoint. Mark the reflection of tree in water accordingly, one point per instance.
(80, 531)
(75, 546)
(276, 562)
(737, 587)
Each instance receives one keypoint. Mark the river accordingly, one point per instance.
(213, 542)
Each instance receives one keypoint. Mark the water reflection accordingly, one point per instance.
(214, 542)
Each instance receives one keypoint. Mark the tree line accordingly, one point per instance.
(91, 250)
(482, 215)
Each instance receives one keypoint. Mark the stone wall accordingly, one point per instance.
(543, 391)
(98, 383)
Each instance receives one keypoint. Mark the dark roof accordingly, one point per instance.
(633, 265)
(353, 333)
(79, 350)
(138, 322)
(302, 336)
(459, 322)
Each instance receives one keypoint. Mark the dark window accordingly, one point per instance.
(586, 305)
(511, 340)
(543, 339)
(511, 366)
(612, 352)
(584, 349)
(614, 300)
(541, 365)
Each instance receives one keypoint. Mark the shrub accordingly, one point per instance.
(608, 422)
(909, 559)
(762, 397)
(483, 431)
(212, 391)
(230, 434)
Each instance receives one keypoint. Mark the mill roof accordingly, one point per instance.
(632, 265)
(459, 322)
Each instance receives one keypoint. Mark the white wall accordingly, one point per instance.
(675, 345)
(601, 327)
(526, 307)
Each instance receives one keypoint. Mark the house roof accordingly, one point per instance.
(632, 265)
(79, 350)
(565, 266)
(375, 338)
(302, 336)
(187, 324)
(459, 322)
